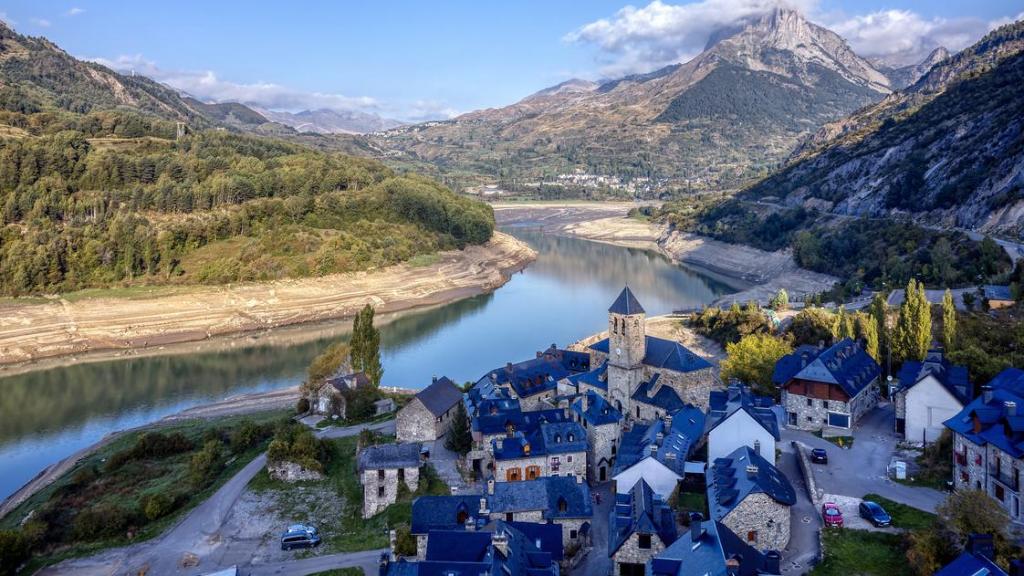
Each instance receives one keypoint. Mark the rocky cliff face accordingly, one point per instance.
(715, 121)
(949, 148)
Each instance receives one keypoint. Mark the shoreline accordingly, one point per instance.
(36, 335)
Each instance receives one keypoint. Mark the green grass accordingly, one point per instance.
(903, 516)
(423, 260)
(129, 484)
(841, 441)
(861, 553)
(350, 571)
(693, 501)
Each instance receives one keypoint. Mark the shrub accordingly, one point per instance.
(205, 464)
(302, 406)
(151, 445)
(14, 551)
(298, 444)
(247, 435)
(157, 506)
(101, 521)
(405, 542)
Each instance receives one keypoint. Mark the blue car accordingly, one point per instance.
(300, 536)
(875, 514)
(819, 456)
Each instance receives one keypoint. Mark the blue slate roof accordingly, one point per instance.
(442, 512)
(677, 443)
(598, 412)
(549, 438)
(475, 553)
(546, 537)
(996, 292)
(730, 481)
(549, 494)
(787, 366)
(704, 551)
(844, 364)
(724, 403)
(525, 558)
(458, 546)
(626, 303)
(665, 354)
(390, 456)
(995, 424)
(664, 397)
(540, 374)
(441, 395)
(953, 378)
(596, 378)
(525, 422)
(967, 564)
(640, 511)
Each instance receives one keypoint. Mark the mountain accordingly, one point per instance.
(902, 76)
(45, 75)
(327, 121)
(949, 148)
(723, 118)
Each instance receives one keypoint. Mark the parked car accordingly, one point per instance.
(832, 515)
(874, 513)
(300, 536)
(819, 456)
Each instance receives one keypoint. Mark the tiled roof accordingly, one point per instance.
(596, 377)
(539, 374)
(626, 303)
(676, 445)
(996, 424)
(549, 438)
(730, 480)
(664, 397)
(458, 546)
(704, 550)
(790, 364)
(845, 364)
(390, 456)
(665, 354)
(724, 403)
(442, 512)
(546, 537)
(441, 395)
(967, 564)
(952, 378)
(599, 412)
(525, 422)
(348, 381)
(640, 511)
(465, 553)
(996, 292)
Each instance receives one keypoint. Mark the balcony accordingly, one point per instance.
(1011, 481)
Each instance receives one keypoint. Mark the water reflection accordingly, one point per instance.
(562, 297)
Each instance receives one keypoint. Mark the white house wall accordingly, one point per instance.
(740, 429)
(929, 404)
(659, 477)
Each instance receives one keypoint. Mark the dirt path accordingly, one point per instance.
(32, 331)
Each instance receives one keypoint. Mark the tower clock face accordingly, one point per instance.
(618, 351)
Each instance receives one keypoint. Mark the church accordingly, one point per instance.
(645, 377)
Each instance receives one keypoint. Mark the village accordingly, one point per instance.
(630, 456)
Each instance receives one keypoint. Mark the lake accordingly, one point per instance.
(49, 414)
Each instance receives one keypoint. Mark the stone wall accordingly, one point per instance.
(631, 553)
(760, 516)
(501, 467)
(291, 472)
(381, 490)
(970, 475)
(414, 423)
(693, 387)
(600, 441)
(520, 516)
(1001, 483)
(815, 416)
(576, 467)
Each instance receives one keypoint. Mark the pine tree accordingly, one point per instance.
(948, 322)
(459, 438)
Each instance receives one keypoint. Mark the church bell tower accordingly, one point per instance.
(627, 346)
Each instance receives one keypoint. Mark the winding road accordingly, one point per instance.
(198, 533)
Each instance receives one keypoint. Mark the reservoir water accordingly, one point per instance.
(49, 414)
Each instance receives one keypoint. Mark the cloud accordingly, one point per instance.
(903, 37)
(647, 38)
(643, 39)
(41, 22)
(75, 11)
(424, 110)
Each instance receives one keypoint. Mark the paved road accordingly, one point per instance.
(862, 469)
(597, 562)
(198, 533)
(369, 561)
(804, 523)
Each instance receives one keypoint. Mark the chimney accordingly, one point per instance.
(579, 479)
(772, 562)
(500, 542)
(483, 500)
(654, 449)
(490, 486)
(752, 470)
(668, 421)
(697, 531)
(539, 353)
(1017, 567)
(981, 545)
(986, 394)
(659, 438)
(498, 444)
(1011, 407)
(392, 542)
(433, 379)
(508, 367)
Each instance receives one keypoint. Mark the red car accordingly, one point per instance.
(832, 515)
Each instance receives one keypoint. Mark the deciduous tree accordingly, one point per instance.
(752, 360)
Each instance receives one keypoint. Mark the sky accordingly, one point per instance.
(417, 60)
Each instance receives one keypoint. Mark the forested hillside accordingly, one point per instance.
(96, 191)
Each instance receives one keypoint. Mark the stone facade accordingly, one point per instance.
(760, 521)
(329, 401)
(380, 487)
(291, 472)
(602, 443)
(693, 387)
(567, 464)
(989, 469)
(632, 553)
(807, 413)
(415, 423)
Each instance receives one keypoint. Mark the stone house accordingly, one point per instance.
(559, 500)
(737, 417)
(497, 419)
(828, 388)
(988, 442)
(382, 468)
(602, 422)
(978, 559)
(427, 416)
(712, 549)
(554, 449)
(330, 396)
(657, 452)
(633, 358)
(640, 526)
(535, 382)
(928, 394)
(752, 497)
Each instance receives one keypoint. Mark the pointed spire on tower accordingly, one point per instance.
(626, 303)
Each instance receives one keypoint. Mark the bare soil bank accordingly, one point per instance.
(767, 272)
(30, 330)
